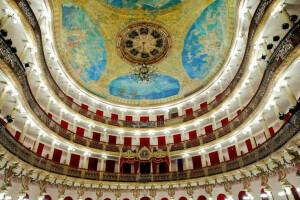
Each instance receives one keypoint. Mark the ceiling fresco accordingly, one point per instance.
(199, 36)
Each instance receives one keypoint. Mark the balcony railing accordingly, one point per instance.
(24, 6)
(283, 135)
(288, 43)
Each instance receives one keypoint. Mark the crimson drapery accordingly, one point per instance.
(208, 129)
(80, 131)
(180, 165)
(144, 119)
(110, 166)
(86, 107)
(239, 112)
(96, 136)
(75, 159)
(217, 98)
(224, 121)
(99, 112)
(160, 118)
(161, 140)
(136, 167)
(272, 132)
(177, 138)
(64, 124)
(128, 118)
(144, 141)
(232, 152)
(214, 158)
(70, 98)
(127, 141)
(50, 115)
(114, 116)
(174, 115)
(40, 149)
(57, 155)
(154, 167)
(93, 163)
(203, 105)
(221, 197)
(196, 162)
(192, 134)
(112, 139)
(287, 116)
(17, 135)
(189, 111)
(249, 146)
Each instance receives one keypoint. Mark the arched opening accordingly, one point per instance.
(145, 198)
(182, 198)
(47, 197)
(202, 198)
(242, 194)
(68, 198)
(221, 197)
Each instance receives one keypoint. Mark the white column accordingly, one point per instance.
(24, 131)
(85, 163)
(68, 157)
(29, 74)
(36, 144)
(48, 105)
(228, 113)
(51, 150)
(221, 86)
(57, 76)
(179, 110)
(137, 140)
(151, 140)
(167, 139)
(230, 72)
(276, 112)
(221, 154)
(203, 159)
(3, 95)
(291, 96)
(4, 18)
(79, 98)
(13, 115)
(41, 19)
(195, 105)
(37, 93)
(186, 163)
(240, 101)
(74, 125)
(208, 97)
(60, 116)
(238, 151)
(265, 126)
(249, 16)
(90, 131)
(267, 51)
(253, 144)
(244, 37)
(167, 114)
(121, 139)
(68, 88)
(199, 130)
(104, 135)
(214, 122)
(259, 70)
(24, 51)
(250, 88)
(102, 165)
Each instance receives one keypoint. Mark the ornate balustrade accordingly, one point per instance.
(24, 6)
(284, 48)
(287, 132)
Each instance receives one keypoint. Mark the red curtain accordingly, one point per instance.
(57, 155)
(112, 139)
(144, 141)
(177, 138)
(232, 152)
(50, 115)
(64, 124)
(86, 107)
(93, 163)
(196, 162)
(208, 129)
(221, 197)
(144, 119)
(127, 141)
(154, 167)
(202, 198)
(80, 131)
(161, 140)
(272, 132)
(189, 111)
(218, 95)
(17, 135)
(96, 136)
(242, 194)
(128, 118)
(70, 98)
(136, 167)
(174, 115)
(182, 198)
(40, 149)
(239, 112)
(214, 158)
(192, 134)
(99, 112)
(287, 116)
(180, 165)
(160, 118)
(110, 166)
(68, 198)
(203, 105)
(75, 159)
(249, 146)
(224, 121)
(114, 116)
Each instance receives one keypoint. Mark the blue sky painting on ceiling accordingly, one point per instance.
(205, 41)
(83, 43)
(124, 87)
(146, 4)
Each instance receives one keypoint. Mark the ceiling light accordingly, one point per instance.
(143, 74)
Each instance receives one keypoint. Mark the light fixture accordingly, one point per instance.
(285, 26)
(293, 18)
(281, 116)
(9, 119)
(3, 32)
(143, 74)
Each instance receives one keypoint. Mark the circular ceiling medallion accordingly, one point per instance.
(143, 43)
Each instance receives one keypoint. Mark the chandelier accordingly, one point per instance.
(144, 74)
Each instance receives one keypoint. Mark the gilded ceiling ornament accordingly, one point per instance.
(136, 192)
(61, 189)
(99, 191)
(246, 184)
(129, 154)
(295, 159)
(143, 43)
(152, 192)
(118, 192)
(227, 186)
(160, 154)
(80, 191)
(208, 188)
(43, 186)
(190, 191)
(8, 176)
(144, 154)
(171, 192)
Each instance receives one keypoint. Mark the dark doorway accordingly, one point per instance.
(126, 168)
(145, 167)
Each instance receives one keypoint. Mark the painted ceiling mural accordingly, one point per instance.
(86, 32)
